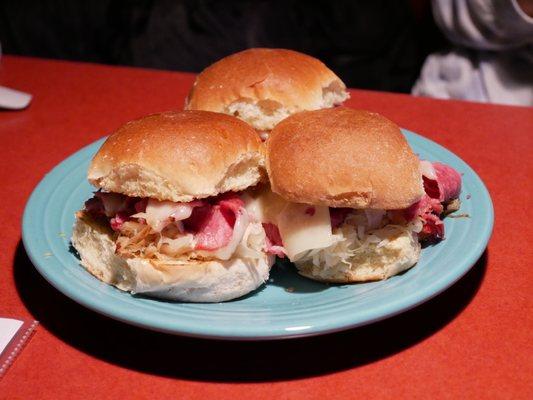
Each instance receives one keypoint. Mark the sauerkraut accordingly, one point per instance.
(209, 229)
(358, 239)
(137, 239)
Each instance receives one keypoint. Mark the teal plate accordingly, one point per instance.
(288, 305)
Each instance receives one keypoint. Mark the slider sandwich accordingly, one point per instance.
(168, 219)
(350, 200)
(264, 86)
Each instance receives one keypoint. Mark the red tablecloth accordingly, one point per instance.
(473, 341)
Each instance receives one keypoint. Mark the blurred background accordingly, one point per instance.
(370, 44)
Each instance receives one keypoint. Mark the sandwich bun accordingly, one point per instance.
(179, 156)
(263, 86)
(196, 281)
(342, 157)
(374, 263)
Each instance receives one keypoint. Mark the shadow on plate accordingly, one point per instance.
(284, 275)
(225, 361)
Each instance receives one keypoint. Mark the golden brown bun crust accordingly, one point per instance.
(293, 79)
(179, 156)
(343, 158)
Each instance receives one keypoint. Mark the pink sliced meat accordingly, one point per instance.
(229, 206)
(449, 181)
(274, 244)
(433, 228)
(118, 220)
(211, 221)
(446, 186)
(276, 251)
(431, 187)
(230, 201)
(428, 209)
(212, 225)
(442, 183)
(426, 205)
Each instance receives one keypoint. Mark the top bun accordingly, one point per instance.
(179, 156)
(343, 158)
(264, 86)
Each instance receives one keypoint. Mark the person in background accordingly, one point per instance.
(370, 44)
(492, 58)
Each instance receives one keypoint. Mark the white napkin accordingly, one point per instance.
(14, 334)
(8, 330)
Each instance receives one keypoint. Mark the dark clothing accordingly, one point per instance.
(370, 44)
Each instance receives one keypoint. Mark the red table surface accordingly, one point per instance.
(472, 341)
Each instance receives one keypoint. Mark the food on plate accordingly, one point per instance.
(442, 186)
(168, 219)
(264, 86)
(352, 200)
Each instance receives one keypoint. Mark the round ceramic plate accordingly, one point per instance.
(288, 305)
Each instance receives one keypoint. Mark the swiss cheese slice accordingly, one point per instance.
(264, 205)
(304, 227)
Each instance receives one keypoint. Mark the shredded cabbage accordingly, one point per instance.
(253, 242)
(361, 232)
(137, 239)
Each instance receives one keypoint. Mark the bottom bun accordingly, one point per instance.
(196, 281)
(372, 264)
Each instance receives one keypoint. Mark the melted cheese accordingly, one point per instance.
(158, 213)
(301, 229)
(427, 169)
(264, 205)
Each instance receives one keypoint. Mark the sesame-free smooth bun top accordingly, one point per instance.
(179, 156)
(263, 86)
(343, 158)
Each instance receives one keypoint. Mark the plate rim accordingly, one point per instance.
(382, 312)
